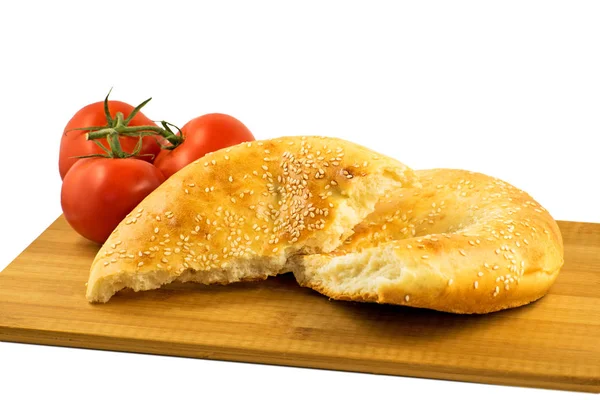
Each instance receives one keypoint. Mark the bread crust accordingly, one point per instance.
(238, 213)
(463, 243)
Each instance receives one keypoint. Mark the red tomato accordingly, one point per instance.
(202, 135)
(98, 193)
(74, 143)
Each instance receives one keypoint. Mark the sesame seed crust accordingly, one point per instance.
(451, 243)
(250, 202)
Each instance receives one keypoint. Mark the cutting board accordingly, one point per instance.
(552, 343)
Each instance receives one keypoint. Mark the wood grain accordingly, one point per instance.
(553, 343)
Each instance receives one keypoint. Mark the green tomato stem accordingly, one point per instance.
(119, 120)
(118, 126)
(115, 146)
(143, 130)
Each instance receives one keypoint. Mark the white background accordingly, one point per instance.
(508, 88)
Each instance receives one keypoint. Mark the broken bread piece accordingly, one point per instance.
(463, 242)
(239, 213)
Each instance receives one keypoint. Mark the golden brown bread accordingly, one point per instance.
(239, 213)
(464, 243)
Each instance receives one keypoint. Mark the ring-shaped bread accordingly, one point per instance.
(463, 243)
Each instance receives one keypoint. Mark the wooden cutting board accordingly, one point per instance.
(553, 343)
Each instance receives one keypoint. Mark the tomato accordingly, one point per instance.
(98, 193)
(74, 142)
(202, 135)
